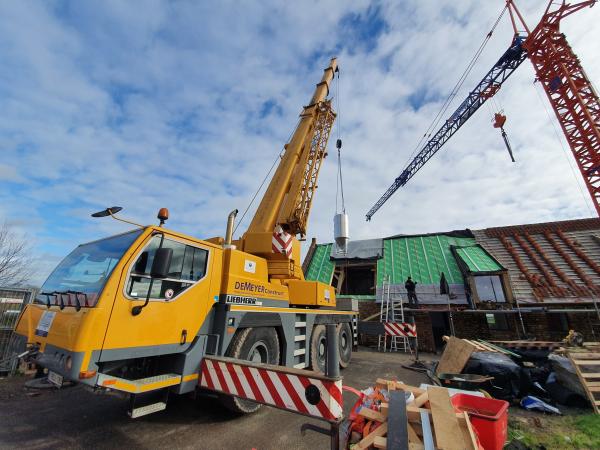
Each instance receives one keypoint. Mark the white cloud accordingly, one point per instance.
(115, 104)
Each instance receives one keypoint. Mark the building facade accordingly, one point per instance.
(506, 283)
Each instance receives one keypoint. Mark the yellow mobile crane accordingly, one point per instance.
(138, 312)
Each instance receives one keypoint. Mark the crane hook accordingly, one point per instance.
(499, 121)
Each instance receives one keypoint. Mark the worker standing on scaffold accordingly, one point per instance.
(411, 290)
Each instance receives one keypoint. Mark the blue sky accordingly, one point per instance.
(186, 104)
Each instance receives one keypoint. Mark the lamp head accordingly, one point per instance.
(107, 212)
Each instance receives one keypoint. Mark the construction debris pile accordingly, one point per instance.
(472, 386)
(392, 414)
(536, 375)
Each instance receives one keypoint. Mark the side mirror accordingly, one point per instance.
(161, 262)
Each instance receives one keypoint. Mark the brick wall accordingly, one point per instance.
(541, 325)
(549, 326)
(468, 325)
(424, 332)
(367, 308)
(475, 326)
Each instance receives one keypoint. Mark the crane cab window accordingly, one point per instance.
(188, 265)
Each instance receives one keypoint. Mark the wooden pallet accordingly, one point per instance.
(587, 367)
(529, 345)
(428, 422)
(482, 347)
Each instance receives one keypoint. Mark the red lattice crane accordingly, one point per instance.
(568, 88)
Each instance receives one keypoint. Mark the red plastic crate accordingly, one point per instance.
(488, 416)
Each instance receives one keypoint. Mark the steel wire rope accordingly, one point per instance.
(278, 157)
(456, 88)
(339, 188)
(565, 152)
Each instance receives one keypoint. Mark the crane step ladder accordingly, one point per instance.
(394, 325)
(300, 354)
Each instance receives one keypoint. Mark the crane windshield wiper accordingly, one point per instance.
(68, 293)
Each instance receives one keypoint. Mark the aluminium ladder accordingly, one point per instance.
(391, 311)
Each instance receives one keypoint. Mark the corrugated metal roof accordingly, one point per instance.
(423, 258)
(477, 259)
(321, 267)
(363, 249)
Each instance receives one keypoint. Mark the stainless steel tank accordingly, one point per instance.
(340, 232)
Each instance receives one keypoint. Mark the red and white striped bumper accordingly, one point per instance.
(299, 391)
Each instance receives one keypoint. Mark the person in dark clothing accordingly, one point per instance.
(411, 288)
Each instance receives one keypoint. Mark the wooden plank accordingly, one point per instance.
(384, 409)
(591, 375)
(368, 440)
(420, 400)
(415, 446)
(413, 437)
(399, 385)
(455, 356)
(482, 346)
(405, 387)
(472, 438)
(397, 436)
(372, 415)
(427, 435)
(448, 435)
(380, 442)
(583, 381)
(390, 385)
(585, 355)
(414, 414)
(593, 383)
(479, 347)
(500, 349)
(586, 362)
(593, 388)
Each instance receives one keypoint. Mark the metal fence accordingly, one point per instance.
(12, 302)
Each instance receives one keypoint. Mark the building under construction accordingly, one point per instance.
(507, 283)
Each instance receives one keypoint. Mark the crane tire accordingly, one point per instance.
(260, 345)
(344, 344)
(318, 349)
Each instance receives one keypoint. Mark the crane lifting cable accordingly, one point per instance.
(340, 220)
(457, 87)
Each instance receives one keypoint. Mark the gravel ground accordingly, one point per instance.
(77, 418)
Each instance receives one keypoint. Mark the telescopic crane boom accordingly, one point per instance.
(285, 207)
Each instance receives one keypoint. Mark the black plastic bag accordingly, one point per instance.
(510, 380)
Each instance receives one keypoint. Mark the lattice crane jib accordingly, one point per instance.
(569, 90)
(487, 87)
(283, 212)
(296, 208)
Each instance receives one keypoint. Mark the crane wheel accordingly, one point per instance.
(344, 344)
(318, 349)
(260, 345)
